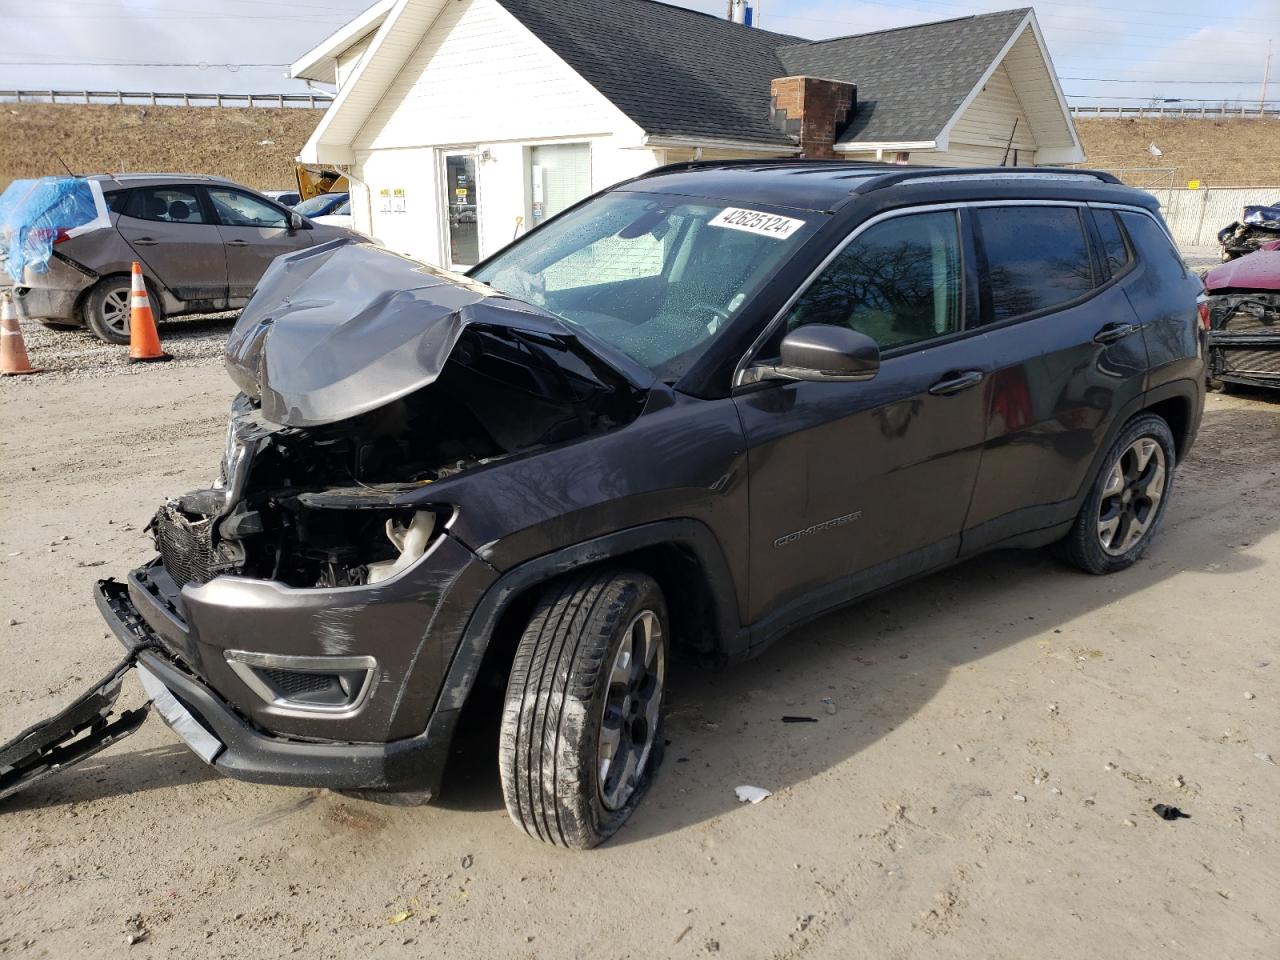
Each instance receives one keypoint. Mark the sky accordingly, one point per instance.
(1123, 51)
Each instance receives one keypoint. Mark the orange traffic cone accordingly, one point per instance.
(144, 341)
(13, 352)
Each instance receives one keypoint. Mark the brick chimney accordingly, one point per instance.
(813, 110)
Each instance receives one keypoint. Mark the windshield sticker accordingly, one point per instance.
(753, 221)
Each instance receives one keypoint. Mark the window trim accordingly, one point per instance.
(970, 235)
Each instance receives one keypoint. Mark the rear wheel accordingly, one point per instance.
(1123, 509)
(106, 309)
(582, 724)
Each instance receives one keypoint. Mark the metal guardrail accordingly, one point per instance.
(1265, 111)
(159, 99)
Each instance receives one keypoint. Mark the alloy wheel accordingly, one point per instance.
(1131, 497)
(631, 708)
(115, 309)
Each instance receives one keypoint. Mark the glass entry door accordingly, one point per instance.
(462, 201)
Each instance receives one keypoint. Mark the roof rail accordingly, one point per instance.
(759, 162)
(977, 173)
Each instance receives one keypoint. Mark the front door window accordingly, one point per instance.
(462, 203)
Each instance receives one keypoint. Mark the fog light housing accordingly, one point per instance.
(306, 686)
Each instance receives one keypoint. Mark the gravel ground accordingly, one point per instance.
(79, 355)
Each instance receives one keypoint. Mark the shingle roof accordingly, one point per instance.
(680, 73)
(674, 71)
(911, 80)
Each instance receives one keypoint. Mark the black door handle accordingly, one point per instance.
(1113, 332)
(237, 243)
(146, 242)
(954, 383)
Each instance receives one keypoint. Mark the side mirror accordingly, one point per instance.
(821, 351)
(296, 222)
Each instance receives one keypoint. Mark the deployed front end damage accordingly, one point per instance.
(1244, 319)
(303, 610)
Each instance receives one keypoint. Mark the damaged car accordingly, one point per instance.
(1257, 225)
(658, 431)
(1244, 319)
(68, 244)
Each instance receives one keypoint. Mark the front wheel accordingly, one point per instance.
(582, 724)
(1127, 501)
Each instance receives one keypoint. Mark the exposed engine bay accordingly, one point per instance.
(347, 502)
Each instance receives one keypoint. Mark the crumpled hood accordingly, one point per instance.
(1255, 271)
(342, 328)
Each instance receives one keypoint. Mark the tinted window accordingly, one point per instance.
(1154, 247)
(116, 201)
(899, 282)
(236, 209)
(165, 204)
(1037, 258)
(1114, 248)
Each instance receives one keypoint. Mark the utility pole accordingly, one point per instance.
(1266, 75)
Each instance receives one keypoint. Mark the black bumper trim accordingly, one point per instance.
(411, 765)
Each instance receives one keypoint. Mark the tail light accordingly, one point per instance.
(55, 235)
(1202, 308)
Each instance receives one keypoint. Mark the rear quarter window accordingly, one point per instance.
(1036, 257)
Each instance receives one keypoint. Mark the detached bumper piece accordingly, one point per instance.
(75, 734)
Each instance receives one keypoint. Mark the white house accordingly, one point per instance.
(462, 123)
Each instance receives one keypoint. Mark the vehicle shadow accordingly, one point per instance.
(881, 660)
(115, 773)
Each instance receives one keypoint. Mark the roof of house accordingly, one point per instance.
(684, 75)
(674, 71)
(677, 72)
(911, 80)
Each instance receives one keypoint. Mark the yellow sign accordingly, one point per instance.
(1193, 184)
(459, 191)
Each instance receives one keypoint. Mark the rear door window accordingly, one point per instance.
(164, 204)
(1037, 258)
(1115, 250)
(899, 282)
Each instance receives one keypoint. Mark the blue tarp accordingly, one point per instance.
(34, 214)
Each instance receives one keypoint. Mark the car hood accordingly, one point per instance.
(342, 328)
(1255, 271)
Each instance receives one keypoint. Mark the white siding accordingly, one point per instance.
(1025, 62)
(479, 75)
(480, 81)
(350, 57)
(988, 122)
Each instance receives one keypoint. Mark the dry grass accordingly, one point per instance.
(229, 142)
(255, 147)
(1220, 153)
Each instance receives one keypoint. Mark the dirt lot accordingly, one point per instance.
(1222, 153)
(984, 789)
(255, 146)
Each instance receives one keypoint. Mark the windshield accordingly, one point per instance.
(652, 275)
(319, 206)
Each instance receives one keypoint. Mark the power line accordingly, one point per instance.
(118, 63)
(1146, 80)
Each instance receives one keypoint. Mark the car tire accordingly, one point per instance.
(103, 306)
(581, 728)
(1127, 501)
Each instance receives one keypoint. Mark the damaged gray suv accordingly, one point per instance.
(681, 418)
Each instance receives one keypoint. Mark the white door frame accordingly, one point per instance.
(445, 198)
